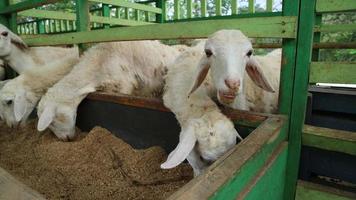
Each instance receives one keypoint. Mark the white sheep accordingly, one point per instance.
(213, 69)
(135, 68)
(20, 57)
(19, 96)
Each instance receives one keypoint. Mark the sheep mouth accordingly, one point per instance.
(227, 97)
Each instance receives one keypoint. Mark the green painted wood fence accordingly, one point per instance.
(276, 148)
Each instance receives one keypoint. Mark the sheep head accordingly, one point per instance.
(16, 102)
(59, 116)
(228, 54)
(7, 39)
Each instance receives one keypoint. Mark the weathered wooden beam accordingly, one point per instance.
(323, 6)
(25, 5)
(128, 4)
(307, 191)
(299, 83)
(335, 28)
(10, 188)
(332, 72)
(329, 139)
(253, 27)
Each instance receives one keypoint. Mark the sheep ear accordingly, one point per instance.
(202, 71)
(46, 118)
(186, 144)
(254, 70)
(17, 41)
(86, 90)
(20, 105)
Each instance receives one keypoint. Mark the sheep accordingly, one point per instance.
(19, 96)
(132, 68)
(215, 69)
(20, 57)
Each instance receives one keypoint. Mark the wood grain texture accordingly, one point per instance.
(329, 139)
(12, 189)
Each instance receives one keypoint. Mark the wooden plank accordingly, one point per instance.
(335, 28)
(106, 13)
(329, 139)
(238, 166)
(161, 18)
(300, 91)
(12, 189)
(4, 18)
(335, 45)
(269, 5)
(323, 6)
(115, 21)
(273, 171)
(45, 14)
(332, 72)
(176, 6)
(217, 7)
(203, 8)
(249, 119)
(82, 15)
(317, 37)
(127, 4)
(189, 9)
(307, 191)
(28, 4)
(251, 6)
(253, 27)
(234, 5)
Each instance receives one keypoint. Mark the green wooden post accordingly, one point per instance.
(40, 27)
(127, 13)
(106, 13)
(234, 7)
(189, 9)
(317, 36)
(269, 5)
(300, 90)
(4, 19)
(290, 8)
(161, 18)
(251, 6)
(176, 9)
(83, 19)
(218, 7)
(203, 8)
(137, 15)
(147, 16)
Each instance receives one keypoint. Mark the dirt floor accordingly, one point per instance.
(94, 166)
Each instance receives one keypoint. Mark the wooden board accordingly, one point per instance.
(307, 191)
(329, 139)
(12, 189)
(335, 5)
(333, 72)
(278, 27)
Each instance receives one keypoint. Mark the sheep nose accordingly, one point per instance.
(232, 84)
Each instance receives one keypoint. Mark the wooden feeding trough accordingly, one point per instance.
(145, 122)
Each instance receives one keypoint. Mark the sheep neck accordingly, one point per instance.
(19, 60)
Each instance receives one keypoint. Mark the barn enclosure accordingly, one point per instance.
(265, 164)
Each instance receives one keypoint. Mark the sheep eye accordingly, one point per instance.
(208, 52)
(249, 53)
(8, 102)
(5, 33)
